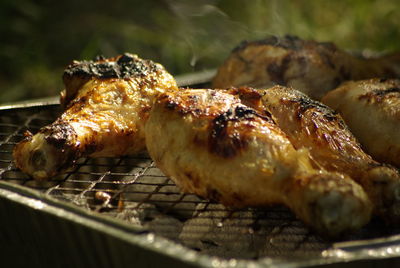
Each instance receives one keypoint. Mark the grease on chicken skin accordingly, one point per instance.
(309, 66)
(212, 145)
(311, 125)
(107, 102)
(371, 109)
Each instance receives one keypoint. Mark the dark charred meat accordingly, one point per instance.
(309, 66)
(106, 104)
(211, 144)
(371, 109)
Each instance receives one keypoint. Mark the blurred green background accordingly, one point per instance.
(39, 38)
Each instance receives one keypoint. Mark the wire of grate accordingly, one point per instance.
(133, 190)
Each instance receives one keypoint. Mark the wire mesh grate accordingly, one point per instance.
(133, 190)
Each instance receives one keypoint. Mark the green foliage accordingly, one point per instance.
(39, 38)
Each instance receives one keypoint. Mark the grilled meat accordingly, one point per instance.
(313, 126)
(311, 67)
(211, 144)
(106, 104)
(371, 109)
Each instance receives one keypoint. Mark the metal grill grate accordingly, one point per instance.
(133, 190)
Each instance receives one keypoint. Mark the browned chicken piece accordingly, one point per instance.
(212, 145)
(313, 126)
(371, 109)
(106, 104)
(309, 66)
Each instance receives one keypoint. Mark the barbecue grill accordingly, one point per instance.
(121, 212)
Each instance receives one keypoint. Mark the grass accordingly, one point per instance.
(39, 38)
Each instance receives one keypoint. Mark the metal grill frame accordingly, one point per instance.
(105, 194)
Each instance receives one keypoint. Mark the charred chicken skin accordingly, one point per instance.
(211, 144)
(241, 147)
(371, 109)
(313, 126)
(106, 104)
(309, 66)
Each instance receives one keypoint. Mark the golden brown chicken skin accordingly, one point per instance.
(311, 125)
(309, 66)
(371, 109)
(106, 104)
(211, 144)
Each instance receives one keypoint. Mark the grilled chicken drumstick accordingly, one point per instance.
(371, 109)
(242, 147)
(311, 67)
(106, 104)
(311, 125)
(212, 145)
